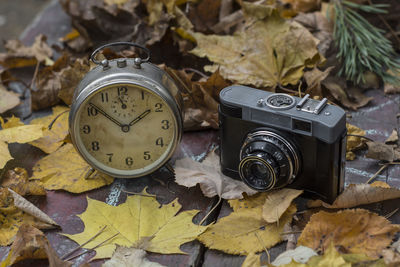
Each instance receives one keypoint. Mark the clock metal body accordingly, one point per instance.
(126, 117)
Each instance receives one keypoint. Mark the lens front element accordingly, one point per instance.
(268, 160)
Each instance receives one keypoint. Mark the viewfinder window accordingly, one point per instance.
(300, 125)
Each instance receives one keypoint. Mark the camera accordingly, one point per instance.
(273, 140)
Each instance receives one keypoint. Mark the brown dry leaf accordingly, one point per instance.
(204, 15)
(208, 174)
(17, 180)
(277, 202)
(245, 231)
(269, 52)
(313, 79)
(302, 6)
(130, 257)
(349, 97)
(355, 231)
(53, 138)
(19, 55)
(31, 243)
(14, 212)
(381, 151)
(8, 99)
(353, 142)
(360, 194)
(393, 138)
(65, 169)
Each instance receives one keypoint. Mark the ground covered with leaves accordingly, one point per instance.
(292, 46)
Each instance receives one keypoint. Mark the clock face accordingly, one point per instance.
(125, 130)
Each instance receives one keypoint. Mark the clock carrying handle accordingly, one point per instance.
(142, 60)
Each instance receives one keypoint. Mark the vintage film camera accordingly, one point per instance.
(272, 140)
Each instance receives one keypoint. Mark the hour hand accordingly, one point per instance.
(105, 114)
(141, 116)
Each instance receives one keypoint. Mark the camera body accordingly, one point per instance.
(272, 140)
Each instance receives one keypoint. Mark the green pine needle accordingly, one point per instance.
(361, 46)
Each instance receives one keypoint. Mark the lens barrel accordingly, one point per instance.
(268, 160)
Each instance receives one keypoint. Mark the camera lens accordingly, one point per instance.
(268, 160)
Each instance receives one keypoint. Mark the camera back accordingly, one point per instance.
(272, 140)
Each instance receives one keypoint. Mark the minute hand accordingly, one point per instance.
(106, 115)
(138, 118)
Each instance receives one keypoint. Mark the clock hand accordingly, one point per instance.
(141, 116)
(123, 105)
(106, 115)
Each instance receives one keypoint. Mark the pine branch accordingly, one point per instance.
(362, 46)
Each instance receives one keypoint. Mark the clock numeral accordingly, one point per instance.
(91, 111)
(146, 155)
(122, 91)
(159, 142)
(165, 124)
(86, 129)
(104, 97)
(142, 95)
(95, 146)
(158, 107)
(110, 155)
(129, 161)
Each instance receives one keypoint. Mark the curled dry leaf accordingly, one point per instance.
(353, 142)
(19, 55)
(245, 231)
(381, 151)
(301, 255)
(313, 79)
(277, 202)
(270, 52)
(130, 257)
(31, 243)
(17, 180)
(130, 221)
(210, 178)
(53, 137)
(65, 170)
(360, 194)
(14, 212)
(8, 99)
(360, 231)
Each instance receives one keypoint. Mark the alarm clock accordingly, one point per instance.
(126, 116)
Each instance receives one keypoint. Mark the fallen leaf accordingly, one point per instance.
(300, 255)
(393, 138)
(249, 202)
(5, 155)
(330, 258)
(355, 231)
(360, 194)
(17, 180)
(208, 174)
(252, 260)
(244, 232)
(381, 151)
(270, 52)
(129, 257)
(130, 220)
(304, 6)
(277, 202)
(14, 213)
(354, 142)
(313, 79)
(19, 55)
(391, 257)
(204, 15)
(8, 99)
(11, 122)
(65, 170)
(31, 243)
(52, 138)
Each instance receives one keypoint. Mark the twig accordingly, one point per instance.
(299, 88)
(77, 248)
(138, 194)
(54, 120)
(213, 208)
(73, 257)
(266, 250)
(361, 136)
(387, 216)
(34, 74)
(377, 173)
(197, 72)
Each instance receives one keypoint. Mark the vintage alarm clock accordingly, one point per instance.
(126, 116)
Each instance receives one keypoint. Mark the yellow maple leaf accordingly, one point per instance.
(139, 217)
(52, 138)
(271, 51)
(356, 231)
(65, 169)
(330, 258)
(245, 231)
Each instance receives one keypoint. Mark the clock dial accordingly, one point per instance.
(126, 128)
